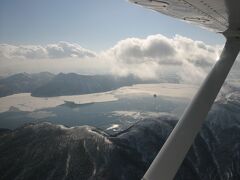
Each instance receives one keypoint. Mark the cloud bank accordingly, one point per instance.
(51, 51)
(155, 56)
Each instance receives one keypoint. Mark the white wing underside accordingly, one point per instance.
(221, 16)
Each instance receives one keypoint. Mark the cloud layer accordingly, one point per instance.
(151, 57)
(51, 51)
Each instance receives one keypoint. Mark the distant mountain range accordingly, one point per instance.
(23, 82)
(73, 84)
(46, 84)
(47, 151)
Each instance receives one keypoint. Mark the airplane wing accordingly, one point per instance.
(215, 15)
(222, 16)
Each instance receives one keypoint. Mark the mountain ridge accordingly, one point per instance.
(49, 85)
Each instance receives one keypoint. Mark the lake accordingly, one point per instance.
(111, 111)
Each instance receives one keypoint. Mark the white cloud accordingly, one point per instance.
(64, 50)
(151, 57)
(156, 55)
(133, 50)
(51, 51)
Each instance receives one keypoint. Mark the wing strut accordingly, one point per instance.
(171, 155)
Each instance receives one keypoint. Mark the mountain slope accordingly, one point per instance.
(48, 85)
(73, 84)
(23, 82)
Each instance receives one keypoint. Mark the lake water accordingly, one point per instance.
(111, 111)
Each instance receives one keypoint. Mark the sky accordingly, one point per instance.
(95, 24)
(102, 37)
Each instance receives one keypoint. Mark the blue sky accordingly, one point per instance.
(94, 24)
